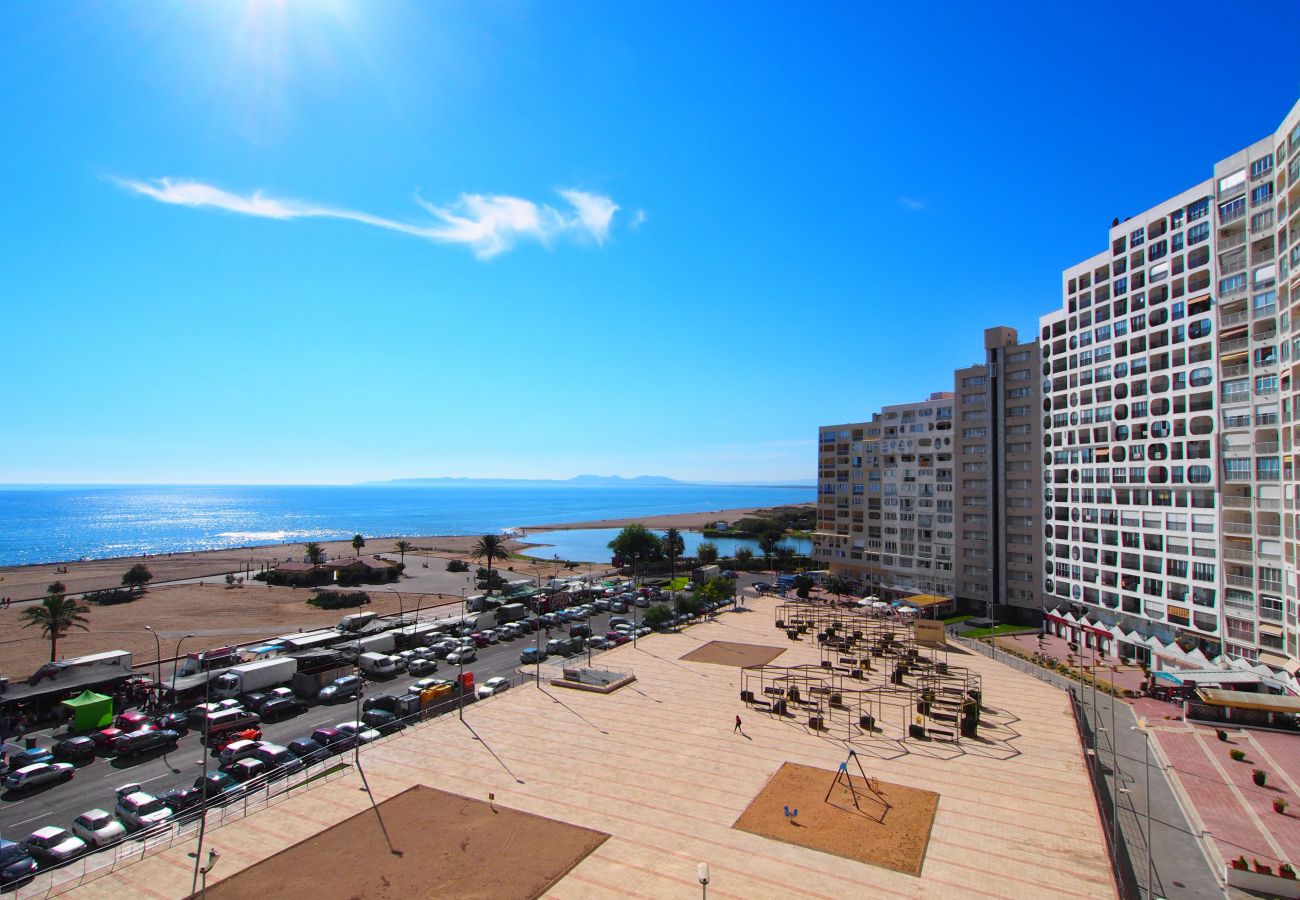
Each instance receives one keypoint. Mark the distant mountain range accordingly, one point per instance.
(583, 481)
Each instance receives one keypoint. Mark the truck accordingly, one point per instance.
(480, 621)
(702, 575)
(254, 676)
(317, 669)
(207, 660)
(511, 612)
(355, 622)
(98, 668)
(384, 642)
(377, 665)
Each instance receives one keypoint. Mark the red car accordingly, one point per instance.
(131, 721)
(220, 742)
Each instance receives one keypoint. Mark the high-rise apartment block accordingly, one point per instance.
(1169, 489)
(1132, 476)
(885, 499)
(998, 435)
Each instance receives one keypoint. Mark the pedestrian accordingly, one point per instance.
(737, 728)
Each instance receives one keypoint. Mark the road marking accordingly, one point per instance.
(33, 819)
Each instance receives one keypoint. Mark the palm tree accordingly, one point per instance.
(674, 546)
(56, 616)
(314, 552)
(401, 547)
(492, 546)
(357, 543)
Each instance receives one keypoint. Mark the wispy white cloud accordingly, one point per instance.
(912, 203)
(639, 218)
(488, 224)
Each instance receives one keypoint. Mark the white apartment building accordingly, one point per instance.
(885, 499)
(1169, 493)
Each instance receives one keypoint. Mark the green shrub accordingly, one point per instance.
(339, 599)
(457, 565)
(1237, 755)
(110, 597)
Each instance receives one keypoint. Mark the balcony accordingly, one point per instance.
(1267, 503)
(1234, 502)
(1236, 395)
(1235, 371)
(1268, 530)
(1267, 447)
(1240, 581)
(1268, 309)
(1233, 319)
(1236, 475)
(1237, 527)
(1232, 345)
(1239, 555)
(1232, 240)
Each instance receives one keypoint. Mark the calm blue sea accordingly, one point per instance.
(67, 523)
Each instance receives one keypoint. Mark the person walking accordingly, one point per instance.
(737, 728)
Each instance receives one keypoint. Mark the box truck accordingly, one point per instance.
(254, 676)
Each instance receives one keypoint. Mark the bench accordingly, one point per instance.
(942, 734)
(572, 674)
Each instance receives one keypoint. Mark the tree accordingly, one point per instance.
(767, 543)
(357, 543)
(137, 577)
(716, 590)
(56, 616)
(673, 546)
(838, 585)
(55, 589)
(707, 552)
(657, 616)
(688, 604)
(802, 585)
(744, 555)
(401, 547)
(315, 553)
(491, 546)
(636, 542)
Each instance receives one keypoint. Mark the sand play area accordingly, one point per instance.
(726, 653)
(446, 846)
(889, 825)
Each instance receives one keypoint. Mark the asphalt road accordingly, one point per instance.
(95, 782)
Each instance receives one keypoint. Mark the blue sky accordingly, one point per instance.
(330, 241)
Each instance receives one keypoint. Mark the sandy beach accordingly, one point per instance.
(177, 604)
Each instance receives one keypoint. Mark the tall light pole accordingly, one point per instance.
(401, 608)
(157, 653)
(176, 664)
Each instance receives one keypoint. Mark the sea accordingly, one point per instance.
(65, 523)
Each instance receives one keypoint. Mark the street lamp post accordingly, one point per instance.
(157, 652)
(401, 608)
(176, 664)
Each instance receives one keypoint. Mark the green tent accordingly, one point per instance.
(90, 711)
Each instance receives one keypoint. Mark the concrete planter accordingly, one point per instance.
(1269, 885)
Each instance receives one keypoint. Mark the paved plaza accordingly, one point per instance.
(659, 767)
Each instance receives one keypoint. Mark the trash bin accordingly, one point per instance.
(867, 722)
(747, 696)
(815, 723)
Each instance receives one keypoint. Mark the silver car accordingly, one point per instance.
(140, 810)
(98, 828)
(38, 774)
(51, 846)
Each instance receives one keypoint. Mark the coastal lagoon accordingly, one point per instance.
(592, 544)
(57, 524)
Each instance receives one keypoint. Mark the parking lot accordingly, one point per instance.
(96, 781)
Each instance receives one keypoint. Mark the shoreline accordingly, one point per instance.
(28, 581)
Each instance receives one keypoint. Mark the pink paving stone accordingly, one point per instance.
(1283, 750)
(1228, 822)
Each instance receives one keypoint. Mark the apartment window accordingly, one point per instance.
(1261, 194)
(1198, 210)
(1016, 393)
(973, 381)
(1137, 237)
(1198, 233)
(1232, 210)
(975, 432)
(1018, 356)
(1261, 165)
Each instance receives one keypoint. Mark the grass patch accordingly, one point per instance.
(1000, 630)
(678, 583)
(953, 620)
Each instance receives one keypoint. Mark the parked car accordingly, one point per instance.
(16, 864)
(131, 721)
(493, 686)
(278, 708)
(35, 775)
(340, 689)
(75, 749)
(30, 757)
(382, 720)
(105, 738)
(238, 750)
(461, 656)
(181, 799)
(333, 740)
(229, 720)
(141, 810)
(532, 656)
(421, 666)
(223, 741)
(581, 630)
(358, 732)
(98, 828)
(642, 601)
(254, 699)
(597, 643)
(246, 769)
(176, 721)
(308, 750)
(145, 741)
(216, 786)
(762, 586)
(618, 606)
(50, 846)
(278, 759)
(197, 714)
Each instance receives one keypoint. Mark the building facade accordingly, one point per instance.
(998, 479)
(1168, 478)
